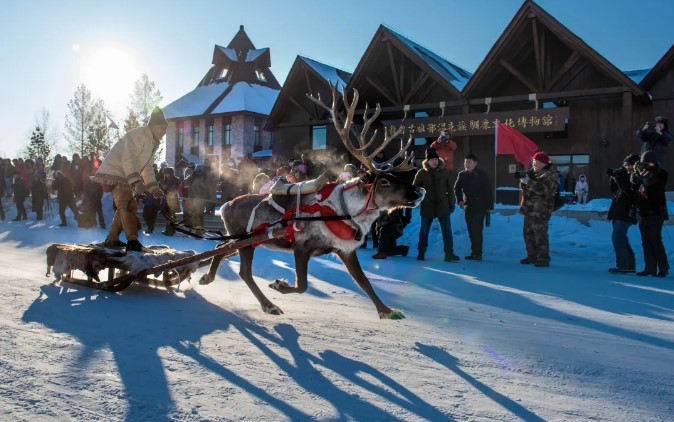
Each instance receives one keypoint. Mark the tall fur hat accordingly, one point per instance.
(431, 153)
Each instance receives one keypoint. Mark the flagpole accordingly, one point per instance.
(495, 154)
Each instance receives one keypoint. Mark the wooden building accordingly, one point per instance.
(226, 113)
(538, 77)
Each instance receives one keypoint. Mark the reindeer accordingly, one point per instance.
(363, 199)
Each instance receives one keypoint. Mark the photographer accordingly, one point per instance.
(538, 190)
(652, 213)
(622, 214)
(655, 136)
(445, 148)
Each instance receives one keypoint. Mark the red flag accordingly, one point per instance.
(510, 141)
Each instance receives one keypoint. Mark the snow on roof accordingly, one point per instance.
(262, 153)
(455, 75)
(196, 102)
(636, 75)
(247, 97)
(329, 73)
(252, 55)
(229, 52)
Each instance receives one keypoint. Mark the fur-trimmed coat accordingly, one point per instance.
(130, 160)
(539, 193)
(439, 200)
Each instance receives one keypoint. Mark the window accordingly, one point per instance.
(260, 75)
(569, 168)
(318, 137)
(417, 141)
(195, 140)
(223, 73)
(258, 138)
(180, 141)
(209, 138)
(195, 136)
(227, 134)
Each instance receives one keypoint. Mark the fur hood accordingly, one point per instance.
(427, 167)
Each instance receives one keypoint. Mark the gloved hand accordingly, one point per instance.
(140, 189)
(157, 192)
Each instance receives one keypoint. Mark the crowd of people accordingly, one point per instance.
(637, 187)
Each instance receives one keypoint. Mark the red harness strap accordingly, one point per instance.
(338, 227)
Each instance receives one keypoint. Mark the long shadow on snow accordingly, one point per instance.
(134, 326)
(491, 293)
(450, 362)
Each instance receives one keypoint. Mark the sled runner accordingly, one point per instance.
(157, 266)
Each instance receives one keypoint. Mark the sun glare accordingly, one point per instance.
(110, 74)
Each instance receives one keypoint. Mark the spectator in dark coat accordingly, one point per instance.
(20, 194)
(197, 185)
(65, 196)
(38, 193)
(92, 204)
(170, 204)
(475, 196)
(438, 203)
(655, 136)
(622, 214)
(538, 201)
(652, 213)
(388, 228)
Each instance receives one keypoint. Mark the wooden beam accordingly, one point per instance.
(383, 91)
(394, 72)
(568, 64)
(429, 88)
(311, 112)
(309, 90)
(628, 129)
(423, 76)
(518, 75)
(537, 51)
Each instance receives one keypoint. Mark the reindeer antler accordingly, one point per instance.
(360, 152)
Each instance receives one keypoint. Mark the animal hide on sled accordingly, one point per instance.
(90, 259)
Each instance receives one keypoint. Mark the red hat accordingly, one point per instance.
(542, 157)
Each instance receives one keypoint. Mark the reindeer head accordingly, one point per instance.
(388, 190)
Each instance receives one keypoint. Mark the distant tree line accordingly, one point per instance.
(89, 127)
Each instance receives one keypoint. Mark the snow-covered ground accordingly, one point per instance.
(482, 341)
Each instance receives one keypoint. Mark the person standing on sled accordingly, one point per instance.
(128, 169)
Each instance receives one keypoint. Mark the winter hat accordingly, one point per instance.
(542, 157)
(631, 159)
(169, 170)
(649, 157)
(157, 117)
(431, 153)
(663, 120)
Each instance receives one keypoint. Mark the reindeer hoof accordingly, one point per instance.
(279, 284)
(206, 279)
(272, 309)
(392, 314)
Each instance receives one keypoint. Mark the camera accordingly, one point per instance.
(649, 134)
(521, 174)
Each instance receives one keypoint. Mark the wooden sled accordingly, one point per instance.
(158, 267)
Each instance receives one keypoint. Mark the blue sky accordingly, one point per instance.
(49, 48)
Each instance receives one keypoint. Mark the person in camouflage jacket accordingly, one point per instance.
(538, 200)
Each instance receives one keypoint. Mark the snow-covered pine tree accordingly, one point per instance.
(38, 146)
(144, 98)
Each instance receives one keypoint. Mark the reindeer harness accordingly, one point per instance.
(342, 226)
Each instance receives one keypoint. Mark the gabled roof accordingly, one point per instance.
(396, 71)
(517, 35)
(456, 75)
(239, 80)
(658, 71)
(636, 75)
(195, 102)
(304, 76)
